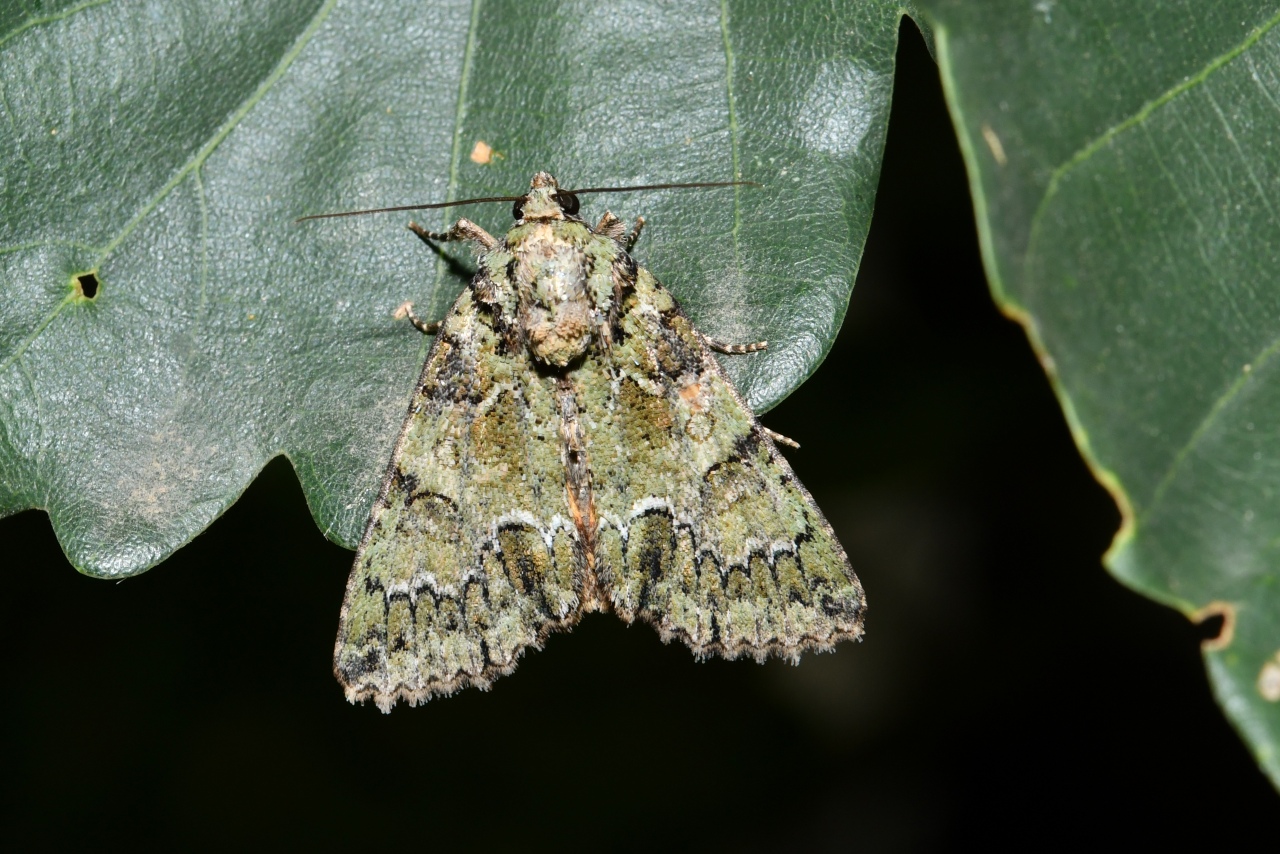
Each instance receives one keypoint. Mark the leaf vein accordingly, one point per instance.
(35, 333)
(31, 23)
(227, 127)
(1104, 139)
(1264, 356)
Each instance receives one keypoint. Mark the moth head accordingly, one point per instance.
(545, 200)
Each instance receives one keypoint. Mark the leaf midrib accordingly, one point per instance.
(459, 115)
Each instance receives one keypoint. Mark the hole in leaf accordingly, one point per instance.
(1216, 625)
(86, 285)
(1210, 628)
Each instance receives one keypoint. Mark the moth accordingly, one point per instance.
(572, 445)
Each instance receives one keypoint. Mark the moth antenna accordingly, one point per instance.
(665, 187)
(438, 205)
(409, 208)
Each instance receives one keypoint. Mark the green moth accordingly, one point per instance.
(572, 445)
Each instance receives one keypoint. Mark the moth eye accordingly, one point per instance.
(517, 210)
(568, 202)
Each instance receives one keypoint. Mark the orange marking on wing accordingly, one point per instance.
(692, 395)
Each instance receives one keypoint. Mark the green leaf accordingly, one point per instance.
(166, 148)
(1126, 174)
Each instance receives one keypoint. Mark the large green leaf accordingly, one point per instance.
(1126, 174)
(166, 147)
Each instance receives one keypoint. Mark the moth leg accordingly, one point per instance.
(779, 438)
(463, 229)
(406, 310)
(631, 238)
(735, 349)
(610, 226)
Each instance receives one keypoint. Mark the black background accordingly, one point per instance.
(1009, 693)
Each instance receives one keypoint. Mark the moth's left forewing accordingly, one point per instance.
(705, 531)
(469, 557)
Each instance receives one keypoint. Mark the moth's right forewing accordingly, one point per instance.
(707, 533)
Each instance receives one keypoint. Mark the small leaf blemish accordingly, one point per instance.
(994, 144)
(484, 154)
(1269, 679)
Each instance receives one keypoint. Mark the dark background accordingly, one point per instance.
(1009, 693)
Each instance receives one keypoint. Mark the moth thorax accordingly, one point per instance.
(558, 317)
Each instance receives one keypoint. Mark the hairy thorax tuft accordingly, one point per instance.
(556, 306)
